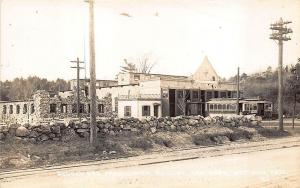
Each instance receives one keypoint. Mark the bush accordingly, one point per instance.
(108, 145)
(232, 137)
(163, 141)
(141, 143)
(269, 133)
(201, 139)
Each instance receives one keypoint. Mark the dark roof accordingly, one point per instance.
(118, 86)
(96, 80)
(154, 74)
(16, 101)
(233, 100)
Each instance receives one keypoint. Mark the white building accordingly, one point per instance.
(141, 95)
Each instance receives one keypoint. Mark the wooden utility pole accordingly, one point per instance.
(279, 33)
(238, 91)
(78, 85)
(1, 16)
(93, 131)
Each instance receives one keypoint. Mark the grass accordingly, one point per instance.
(107, 147)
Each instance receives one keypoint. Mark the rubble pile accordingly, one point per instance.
(65, 130)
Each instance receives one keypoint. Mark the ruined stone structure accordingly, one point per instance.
(44, 107)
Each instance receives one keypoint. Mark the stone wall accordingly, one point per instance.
(68, 129)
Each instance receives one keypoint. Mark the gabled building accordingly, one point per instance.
(141, 95)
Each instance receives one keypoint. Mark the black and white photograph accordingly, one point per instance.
(149, 93)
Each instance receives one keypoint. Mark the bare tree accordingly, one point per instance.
(145, 64)
(181, 101)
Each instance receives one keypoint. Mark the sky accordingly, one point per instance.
(41, 37)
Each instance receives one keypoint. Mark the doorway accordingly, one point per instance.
(156, 110)
(172, 102)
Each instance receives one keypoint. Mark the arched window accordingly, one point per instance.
(18, 109)
(11, 109)
(25, 109)
(4, 109)
(32, 109)
(100, 108)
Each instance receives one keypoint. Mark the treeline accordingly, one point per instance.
(265, 85)
(22, 89)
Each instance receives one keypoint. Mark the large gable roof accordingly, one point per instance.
(205, 72)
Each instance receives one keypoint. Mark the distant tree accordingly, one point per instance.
(4, 90)
(265, 85)
(243, 76)
(23, 89)
(143, 64)
(294, 87)
(129, 67)
(269, 70)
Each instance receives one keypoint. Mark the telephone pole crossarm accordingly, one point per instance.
(78, 85)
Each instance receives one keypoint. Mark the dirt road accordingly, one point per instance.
(272, 163)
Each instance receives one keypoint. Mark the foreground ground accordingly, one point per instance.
(269, 163)
(19, 153)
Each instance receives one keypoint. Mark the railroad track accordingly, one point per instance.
(172, 155)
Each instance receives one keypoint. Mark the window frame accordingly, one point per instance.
(32, 109)
(4, 109)
(25, 109)
(18, 109)
(101, 108)
(209, 95)
(144, 111)
(11, 109)
(62, 108)
(179, 94)
(195, 93)
(53, 108)
(127, 111)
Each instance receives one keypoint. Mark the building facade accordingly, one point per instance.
(141, 95)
